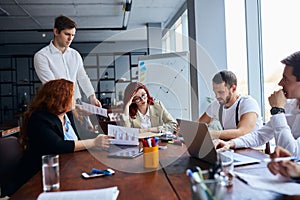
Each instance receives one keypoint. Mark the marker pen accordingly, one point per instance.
(149, 142)
(280, 159)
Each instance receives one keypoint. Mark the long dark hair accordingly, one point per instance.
(54, 96)
(130, 89)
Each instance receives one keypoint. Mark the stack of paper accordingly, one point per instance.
(105, 194)
(277, 183)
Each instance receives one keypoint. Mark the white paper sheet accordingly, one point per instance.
(94, 109)
(277, 183)
(149, 134)
(123, 135)
(104, 194)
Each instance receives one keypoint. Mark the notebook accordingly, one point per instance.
(199, 143)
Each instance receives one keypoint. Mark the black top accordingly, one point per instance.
(45, 136)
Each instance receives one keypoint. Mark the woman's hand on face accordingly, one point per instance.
(130, 101)
(102, 141)
(131, 98)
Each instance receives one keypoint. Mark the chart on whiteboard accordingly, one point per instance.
(167, 78)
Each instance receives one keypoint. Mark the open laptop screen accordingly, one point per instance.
(198, 141)
(200, 145)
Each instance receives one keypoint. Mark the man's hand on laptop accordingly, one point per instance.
(222, 145)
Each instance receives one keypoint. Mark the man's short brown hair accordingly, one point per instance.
(63, 22)
(225, 76)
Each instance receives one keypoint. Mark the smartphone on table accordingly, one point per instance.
(93, 175)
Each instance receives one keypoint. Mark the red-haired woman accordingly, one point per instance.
(48, 128)
(141, 111)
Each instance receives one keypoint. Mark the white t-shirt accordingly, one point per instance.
(247, 104)
(50, 63)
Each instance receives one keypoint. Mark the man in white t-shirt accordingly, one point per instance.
(285, 111)
(238, 115)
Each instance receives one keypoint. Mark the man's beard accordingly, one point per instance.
(227, 99)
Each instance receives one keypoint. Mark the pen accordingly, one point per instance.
(206, 189)
(241, 179)
(198, 178)
(194, 176)
(156, 140)
(153, 142)
(149, 142)
(280, 159)
(145, 144)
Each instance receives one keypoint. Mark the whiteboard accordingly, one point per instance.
(167, 76)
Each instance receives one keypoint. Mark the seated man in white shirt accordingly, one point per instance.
(237, 114)
(285, 120)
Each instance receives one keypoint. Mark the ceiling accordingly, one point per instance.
(31, 21)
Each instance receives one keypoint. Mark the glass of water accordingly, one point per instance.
(50, 170)
(226, 159)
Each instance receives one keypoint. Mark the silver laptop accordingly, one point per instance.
(199, 143)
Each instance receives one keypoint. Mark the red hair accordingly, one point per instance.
(54, 96)
(132, 88)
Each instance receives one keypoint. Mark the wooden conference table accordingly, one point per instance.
(134, 182)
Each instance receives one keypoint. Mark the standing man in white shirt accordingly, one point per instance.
(285, 120)
(238, 115)
(59, 60)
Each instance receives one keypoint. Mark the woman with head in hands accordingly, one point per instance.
(143, 112)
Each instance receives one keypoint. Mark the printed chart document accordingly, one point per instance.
(94, 109)
(105, 194)
(277, 183)
(123, 135)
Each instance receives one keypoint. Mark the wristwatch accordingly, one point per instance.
(276, 110)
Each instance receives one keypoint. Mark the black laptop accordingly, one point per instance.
(200, 145)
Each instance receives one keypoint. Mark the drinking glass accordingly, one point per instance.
(227, 172)
(50, 171)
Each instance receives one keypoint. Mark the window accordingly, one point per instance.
(176, 38)
(280, 38)
(236, 42)
(279, 35)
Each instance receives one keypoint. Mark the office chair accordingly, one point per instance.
(10, 153)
